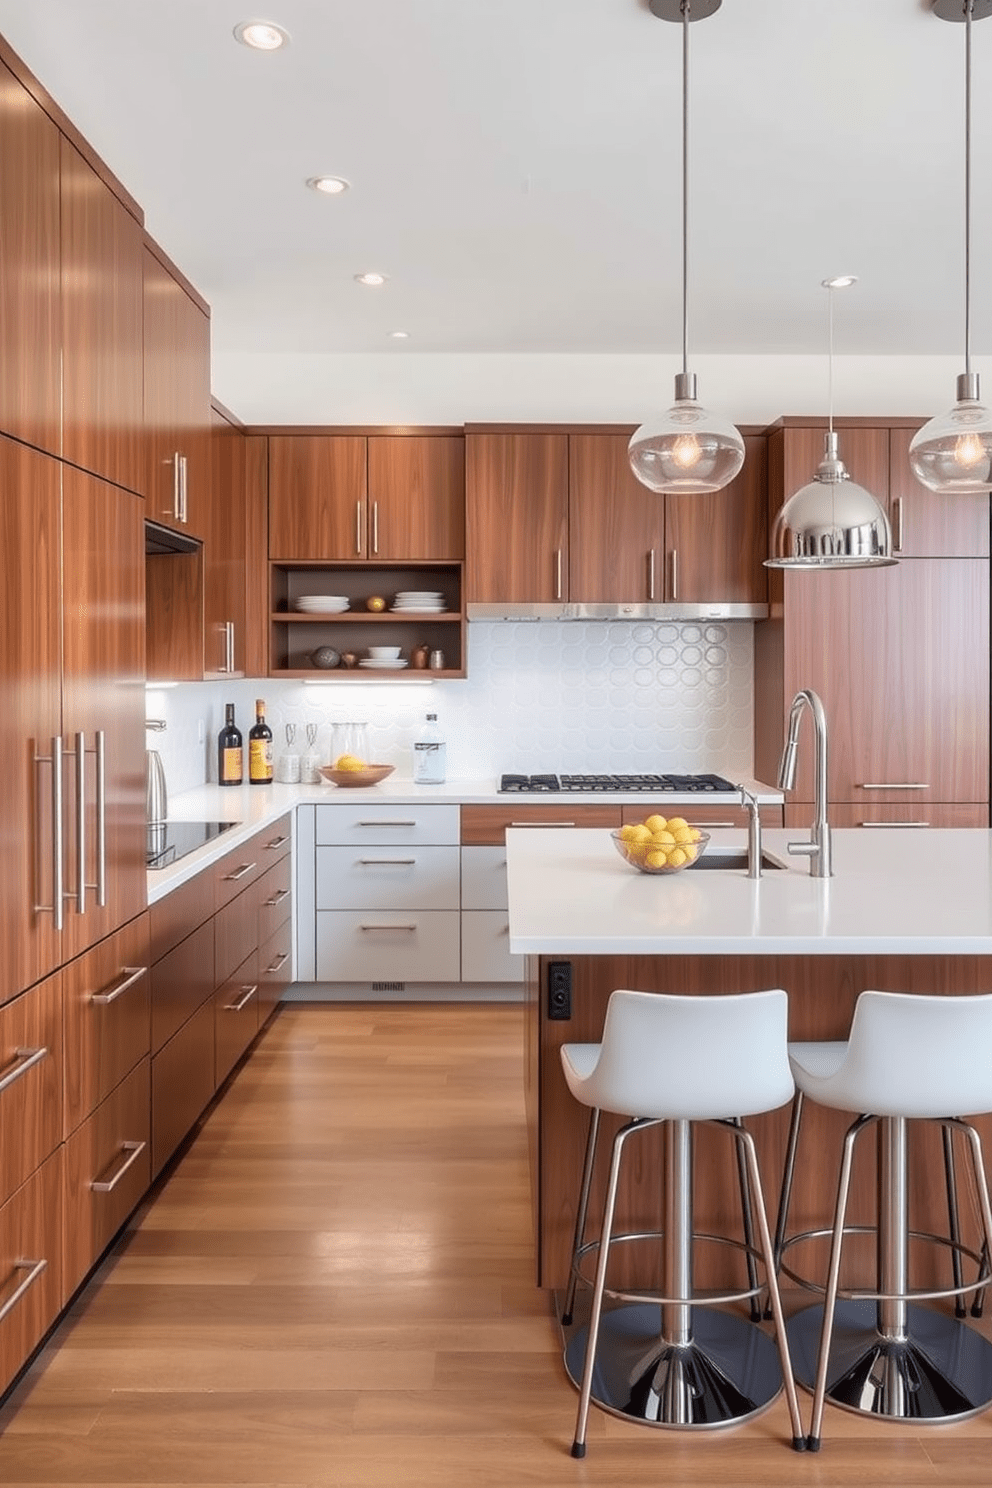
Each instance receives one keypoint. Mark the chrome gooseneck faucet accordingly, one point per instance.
(818, 849)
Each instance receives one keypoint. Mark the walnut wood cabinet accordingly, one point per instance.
(176, 393)
(31, 1291)
(225, 578)
(560, 516)
(375, 497)
(101, 326)
(30, 296)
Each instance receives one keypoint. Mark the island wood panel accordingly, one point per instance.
(30, 664)
(107, 1003)
(416, 492)
(225, 552)
(485, 826)
(720, 540)
(31, 1231)
(111, 1147)
(616, 526)
(317, 497)
(102, 403)
(516, 517)
(30, 296)
(31, 1106)
(822, 994)
(928, 524)
(103, 676)
(900, 659)
(176, 394)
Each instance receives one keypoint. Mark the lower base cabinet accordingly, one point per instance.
(107, 1169)
(235, 1017)
(275, 970)
(182, 1083)
(31, 1289)
(388, 945)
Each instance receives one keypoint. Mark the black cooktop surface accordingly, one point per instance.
(170, 841)
(689, 783)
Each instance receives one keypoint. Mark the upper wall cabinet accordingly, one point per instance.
(101, 326)
(380, 497)
(560, 517)
(224, 551)
(30, 327)
(176, 399)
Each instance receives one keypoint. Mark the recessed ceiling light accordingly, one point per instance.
(329, 185)
(264, 36)
(841, 281)
(371, 280)
(400, 335)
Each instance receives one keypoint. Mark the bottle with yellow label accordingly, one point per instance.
(260, 748)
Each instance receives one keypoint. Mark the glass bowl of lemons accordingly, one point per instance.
(660, 844)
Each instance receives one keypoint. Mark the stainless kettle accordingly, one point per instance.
(156, 795)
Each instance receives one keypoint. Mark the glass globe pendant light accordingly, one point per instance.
(686, 450)
(952, 454)
(831, 522)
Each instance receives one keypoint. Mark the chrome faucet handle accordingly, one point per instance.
(156, 724)
(750, 802)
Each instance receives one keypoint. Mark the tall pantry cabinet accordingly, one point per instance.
(73, 932)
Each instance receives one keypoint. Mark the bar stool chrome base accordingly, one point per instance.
(728, 1372)
(941, 1371)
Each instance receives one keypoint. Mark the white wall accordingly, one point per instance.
(569, 696)
(406, 387)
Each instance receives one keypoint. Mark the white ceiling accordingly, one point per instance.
(515, 169)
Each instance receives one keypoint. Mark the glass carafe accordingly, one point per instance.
(350, 738)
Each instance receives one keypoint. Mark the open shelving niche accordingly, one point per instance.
(293, 636)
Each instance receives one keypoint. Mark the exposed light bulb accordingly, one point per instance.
(686, 452)
(969, 451)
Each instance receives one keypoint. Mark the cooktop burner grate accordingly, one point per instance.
(694, 784)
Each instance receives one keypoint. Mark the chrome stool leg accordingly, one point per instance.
(953, 1224)
(581, 1213)
(785, 1193)
(748, 1225)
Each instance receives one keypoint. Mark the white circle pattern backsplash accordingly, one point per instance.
(564, 696)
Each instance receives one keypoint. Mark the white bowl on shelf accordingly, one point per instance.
(384, 653)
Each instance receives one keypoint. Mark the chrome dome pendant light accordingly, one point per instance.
(952, 454)
(832, 522)
(686, 450)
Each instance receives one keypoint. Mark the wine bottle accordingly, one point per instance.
(230, 753)
(260, 748)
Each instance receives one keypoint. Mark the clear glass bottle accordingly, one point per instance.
(429, 751)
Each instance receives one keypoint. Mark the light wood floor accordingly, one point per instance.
(334, 1288)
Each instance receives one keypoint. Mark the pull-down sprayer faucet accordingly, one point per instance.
(818, 849)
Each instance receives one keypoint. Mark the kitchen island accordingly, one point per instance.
(904, 911)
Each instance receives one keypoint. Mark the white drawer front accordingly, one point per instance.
(486, 948)
(368, 825)
(383, 877)
(390, 946)
(484, 878)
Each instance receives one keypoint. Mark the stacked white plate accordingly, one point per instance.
(321, 604)
(420, 601)
(374, 664)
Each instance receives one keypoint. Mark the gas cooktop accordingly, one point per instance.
(688, 783)
(171, 840)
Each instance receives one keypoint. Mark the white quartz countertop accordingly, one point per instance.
(255, 807)
(893, 893)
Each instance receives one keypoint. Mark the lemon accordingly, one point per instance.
(349, 762)
(676, 857)
(664, 839)
(674, 822)
(637, 851)
(656, 857)
(627, 833)
(639, 833)
(682, 835)
(656, 824)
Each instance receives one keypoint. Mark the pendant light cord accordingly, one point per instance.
(968, 7)
(686, 6)
(830, 359)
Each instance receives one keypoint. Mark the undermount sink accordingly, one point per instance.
(729, 858)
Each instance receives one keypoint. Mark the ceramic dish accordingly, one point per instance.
(371, 775)
(392, 665)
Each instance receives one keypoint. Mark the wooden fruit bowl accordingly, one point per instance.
(371, 775)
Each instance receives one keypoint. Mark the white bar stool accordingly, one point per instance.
(663, 1359)
(906, 1058)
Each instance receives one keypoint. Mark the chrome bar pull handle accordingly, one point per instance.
(373, 862)
(57, 906)
(558, 576)
(384, 823)
(897, 542)
(675, 573)
(177, 487)
(81, 884)
(239, 873)
(25, 1059)
(279, 841)
(894, 785)
(247, 993)
(651, 574)
(184, 490)
(131, 975)
(101, 817)
(358, 526)
(34, 1270)
(375, 527)
(282, 894)
(387, 927)
(541, 824)
(230, 645)
(130, 1151)
(278, 963)
(893, 824)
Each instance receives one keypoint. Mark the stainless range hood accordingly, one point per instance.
(160, 539)
(559, 610)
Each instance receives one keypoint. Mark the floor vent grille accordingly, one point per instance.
(389, 986)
